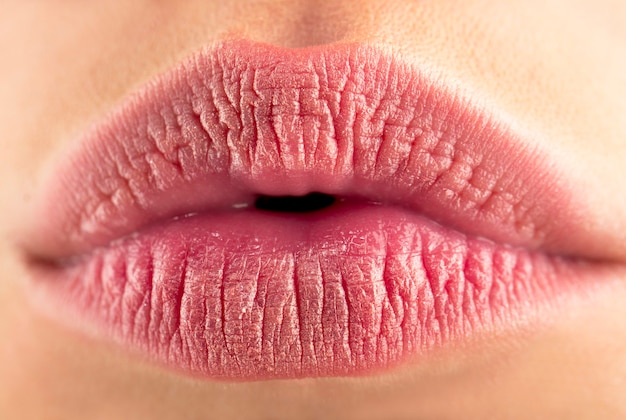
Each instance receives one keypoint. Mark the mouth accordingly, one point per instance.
(259, 213)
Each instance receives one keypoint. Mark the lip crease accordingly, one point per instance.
(447, 223)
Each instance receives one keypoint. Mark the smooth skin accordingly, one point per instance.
(558, 68)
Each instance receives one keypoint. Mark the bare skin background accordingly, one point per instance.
(71, 64)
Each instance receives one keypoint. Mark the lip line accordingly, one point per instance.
(116, 127)
(104, 276)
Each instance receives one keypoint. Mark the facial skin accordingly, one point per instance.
(558, 68)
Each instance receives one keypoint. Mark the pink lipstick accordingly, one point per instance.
(172, 227)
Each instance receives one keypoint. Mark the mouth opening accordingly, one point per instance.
(295, 204)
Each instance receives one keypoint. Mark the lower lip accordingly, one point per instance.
(347, 290)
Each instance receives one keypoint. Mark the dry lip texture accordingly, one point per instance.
(242, 294)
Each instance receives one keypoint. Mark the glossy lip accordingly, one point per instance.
(240, 119)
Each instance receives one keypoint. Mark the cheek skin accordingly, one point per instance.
(542, 63)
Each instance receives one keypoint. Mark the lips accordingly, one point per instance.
(447, 222)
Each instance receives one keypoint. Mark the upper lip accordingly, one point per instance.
(240, 119)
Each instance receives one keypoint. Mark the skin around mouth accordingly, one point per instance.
(448, 227)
